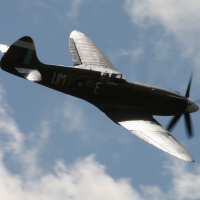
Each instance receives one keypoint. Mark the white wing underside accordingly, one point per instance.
(148, 129)
(156, 135)
(85, 54)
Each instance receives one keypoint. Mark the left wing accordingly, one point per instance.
(86, 54)
(143, 125)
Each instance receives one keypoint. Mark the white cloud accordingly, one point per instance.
(173, 34)
(84, 179)
(74, 116)
(75, 8)
(40, 3)
(13, 141)
(135, 54)
(179, 18)
(186, 183)
(9, 129)
(72, 12)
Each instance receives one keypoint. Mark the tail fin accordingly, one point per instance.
(21, 59)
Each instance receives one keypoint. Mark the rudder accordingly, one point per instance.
(21, 59)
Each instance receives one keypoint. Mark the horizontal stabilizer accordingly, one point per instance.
(30, 74)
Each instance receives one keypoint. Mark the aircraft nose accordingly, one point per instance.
(192, 106)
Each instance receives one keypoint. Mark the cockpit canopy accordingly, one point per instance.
(111, 78)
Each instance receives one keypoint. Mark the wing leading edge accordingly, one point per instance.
(148, 129)
(86, 54)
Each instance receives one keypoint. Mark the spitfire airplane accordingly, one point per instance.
(95, 80)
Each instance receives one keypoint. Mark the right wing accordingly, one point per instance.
(86, 54)
(144, 126)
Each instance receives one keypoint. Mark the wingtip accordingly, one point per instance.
(192, 160)
(188, 158)
(76, 34)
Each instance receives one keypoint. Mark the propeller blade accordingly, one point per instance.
(186, 114)
(188, 125)
(173, 122)
(187, 94)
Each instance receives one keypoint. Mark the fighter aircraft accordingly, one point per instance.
(94, 79)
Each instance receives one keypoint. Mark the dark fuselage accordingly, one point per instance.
(103, 89)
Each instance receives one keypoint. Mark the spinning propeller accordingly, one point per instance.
(192, 107)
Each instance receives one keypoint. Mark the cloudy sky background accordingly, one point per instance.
(53, 146)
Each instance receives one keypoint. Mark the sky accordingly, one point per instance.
(54, 146)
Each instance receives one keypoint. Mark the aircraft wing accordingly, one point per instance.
(86, 54)
(144, 126)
